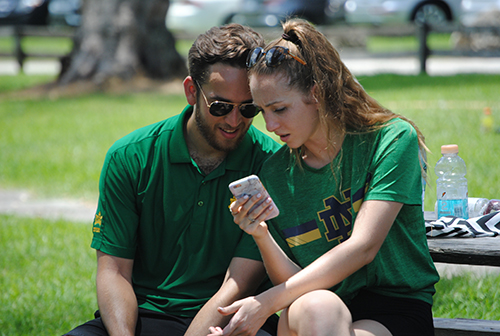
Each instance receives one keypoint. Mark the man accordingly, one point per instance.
(168, 252)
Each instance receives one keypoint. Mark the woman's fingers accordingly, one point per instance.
(260, 212)
(248, 213)
(244, 205)
(235, 207)
(215, 331)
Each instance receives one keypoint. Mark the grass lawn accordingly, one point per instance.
(385, 44)
(56, 147)
(47, 273)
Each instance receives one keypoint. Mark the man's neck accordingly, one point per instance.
(206, 157)
(207, 164)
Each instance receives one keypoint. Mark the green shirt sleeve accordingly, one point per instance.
(117, 214)
(395, 165)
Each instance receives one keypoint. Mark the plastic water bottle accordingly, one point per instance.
(477, 206)
(422, 156)
(451, 184)
(487, 121)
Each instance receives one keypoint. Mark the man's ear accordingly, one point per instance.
(190, 90)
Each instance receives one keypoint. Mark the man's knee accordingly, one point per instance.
(91, 328)
(262, 333)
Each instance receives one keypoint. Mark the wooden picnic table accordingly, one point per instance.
(471, 251)
(483, 251)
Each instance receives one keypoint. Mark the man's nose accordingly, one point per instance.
(233, 118)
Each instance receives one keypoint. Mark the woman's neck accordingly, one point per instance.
(320, 152)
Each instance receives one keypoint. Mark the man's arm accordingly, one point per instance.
(115, 295)
(242, 279)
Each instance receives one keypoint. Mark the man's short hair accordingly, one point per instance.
(229, 44)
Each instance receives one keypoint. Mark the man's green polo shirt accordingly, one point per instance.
(156, 207)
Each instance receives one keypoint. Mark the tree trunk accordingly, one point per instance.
(122, 39)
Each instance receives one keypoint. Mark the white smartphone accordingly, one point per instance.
(250, 186)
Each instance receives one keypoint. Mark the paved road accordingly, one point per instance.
(24, 203)
(358, 64)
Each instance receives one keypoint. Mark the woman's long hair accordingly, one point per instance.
(344, 106)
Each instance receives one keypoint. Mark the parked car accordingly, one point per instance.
(473, 11)
(269, 13)
(23, 12)
(197, 16)
(392, 11)
(66, 12)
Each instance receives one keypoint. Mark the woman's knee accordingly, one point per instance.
(318, 303)
(315, 312)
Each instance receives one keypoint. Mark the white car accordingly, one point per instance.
(403, 11)
(473, 10)
(197, 16)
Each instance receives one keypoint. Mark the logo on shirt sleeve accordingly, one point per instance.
(233, 199)
(96, 227)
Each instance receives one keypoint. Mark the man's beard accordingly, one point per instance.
(210, 136)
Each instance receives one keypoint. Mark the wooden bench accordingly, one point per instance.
(463, 327)
(468, 251)
(424, 51)
(19, 32)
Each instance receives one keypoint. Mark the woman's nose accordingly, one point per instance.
(271, 122)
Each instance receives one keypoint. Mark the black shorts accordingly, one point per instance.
(151, 323)
(401, 316)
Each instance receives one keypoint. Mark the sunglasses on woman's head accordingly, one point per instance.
(273, 57)
(220, 109)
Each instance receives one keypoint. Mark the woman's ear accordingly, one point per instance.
(190, 90)
(314, 91)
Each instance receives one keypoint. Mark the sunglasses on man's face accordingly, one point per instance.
(220, 109)
(273, 57)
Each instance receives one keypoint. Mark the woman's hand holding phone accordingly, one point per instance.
(250, 219)
(252, 206)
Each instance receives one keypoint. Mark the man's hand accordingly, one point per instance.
(249, 317)
(242, 279)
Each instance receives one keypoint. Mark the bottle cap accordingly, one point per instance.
(449, 149)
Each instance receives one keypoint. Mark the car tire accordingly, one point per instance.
(432, 13)
(228, 19)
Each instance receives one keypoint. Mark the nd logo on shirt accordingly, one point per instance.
(336, 217)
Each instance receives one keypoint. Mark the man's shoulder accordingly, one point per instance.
(279, 160)
(263, 141)
(253, 151)
(144, 135)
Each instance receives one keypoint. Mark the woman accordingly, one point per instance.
(348, 253)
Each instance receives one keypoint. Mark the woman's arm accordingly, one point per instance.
(371, 227)
(242, 278)
(278, 266)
